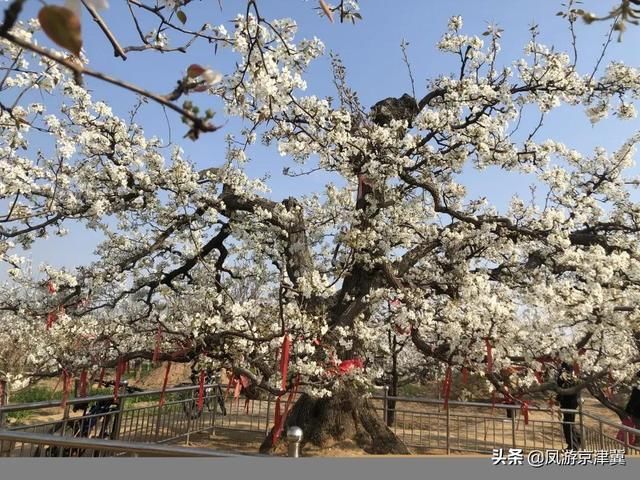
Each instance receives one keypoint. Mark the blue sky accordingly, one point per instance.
(371, 52)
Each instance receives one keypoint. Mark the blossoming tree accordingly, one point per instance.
(301, 294)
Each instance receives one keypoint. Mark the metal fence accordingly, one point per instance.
(423, 424)
(138, 417)
(475, 427)
(29, 444)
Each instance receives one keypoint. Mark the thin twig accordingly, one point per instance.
(198, 124)
(605, 46)
(405, 58)
(117, 49)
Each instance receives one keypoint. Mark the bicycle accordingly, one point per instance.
(96, 421)
(212, 392)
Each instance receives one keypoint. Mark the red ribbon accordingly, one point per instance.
(284, 360)
(226, 393)
(116, 383)
(164, 382)
(347, 365)
(608, 392)
(156, 350)
(2, 390)
(446, 387)
(236, 390)
(51, 318)
(101, 378)
(576, 368)
(51, 287)
(280, 417)
(489, 355)
(627, 422)
(524, 408)
(538, 376)
(66, 378)
(82, 391)
(465, 375)
(278, 423)
(201, 391)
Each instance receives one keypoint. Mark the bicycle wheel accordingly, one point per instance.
(209, 400)
(189, 404)
(220, 400)
(53, 450)
(43, 451)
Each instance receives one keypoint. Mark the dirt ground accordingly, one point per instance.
(178, 373)
(543, 430)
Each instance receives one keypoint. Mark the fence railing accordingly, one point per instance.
(477, 427)
(134, 417)
(46, 445)
(422, 423)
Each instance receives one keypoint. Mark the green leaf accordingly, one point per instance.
(181, 16)
(62, 26)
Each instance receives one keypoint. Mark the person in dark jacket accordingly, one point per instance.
(633, 410)
(633, 405)
(565, 380)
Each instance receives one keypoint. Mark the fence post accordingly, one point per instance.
(267, 428)
(65, 422)
(5, 447)
(294, 437)
(582, 439)
(513, 428)
(448, 417)
(216, 404)
(385, 404)
(626, 442)
(158, 421)
(4, 396)
(193, 405)
(601, 435)
(117, 421)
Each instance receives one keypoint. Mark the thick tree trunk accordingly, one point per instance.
(343, 416)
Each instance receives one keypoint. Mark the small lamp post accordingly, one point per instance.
(294, 437)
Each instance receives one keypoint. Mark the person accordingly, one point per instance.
(633, 405)
(633, 420)
(508, 400)
(566, 380)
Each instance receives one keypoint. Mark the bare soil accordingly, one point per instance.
(178, 373)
